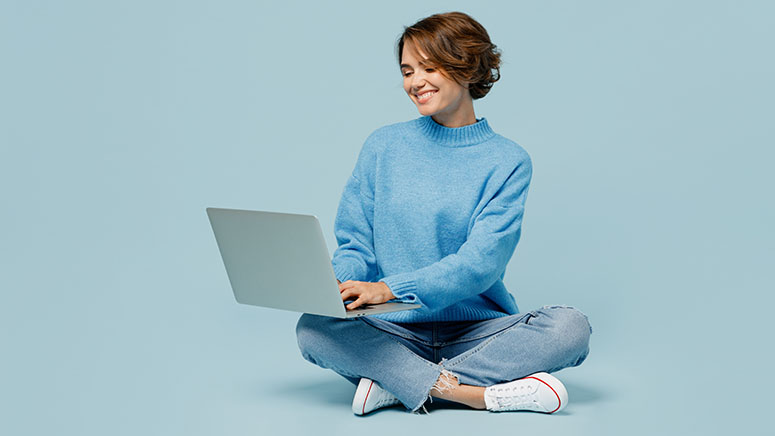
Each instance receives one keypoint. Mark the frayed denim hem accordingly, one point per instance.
(441, 385)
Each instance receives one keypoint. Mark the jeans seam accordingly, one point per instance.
(413, 354)
(474, 338)
(471, 352)
(429, 364)
(436, 349)
(407, 337)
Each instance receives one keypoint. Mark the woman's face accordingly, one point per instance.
(431, 92)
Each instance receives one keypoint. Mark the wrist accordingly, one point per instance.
(388, 291)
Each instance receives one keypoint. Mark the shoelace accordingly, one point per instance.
(387, 400)
(516, 396)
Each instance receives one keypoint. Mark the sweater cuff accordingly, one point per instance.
(343, 274)
(403, 288)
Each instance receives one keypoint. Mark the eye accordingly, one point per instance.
(429, 70)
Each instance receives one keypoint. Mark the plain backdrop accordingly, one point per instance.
(650, 126)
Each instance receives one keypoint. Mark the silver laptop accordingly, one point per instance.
(280, 260)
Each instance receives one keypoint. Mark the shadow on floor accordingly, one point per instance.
(329, 391)
(582, 393)
(340, 392)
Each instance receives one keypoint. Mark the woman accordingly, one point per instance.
(432, 214)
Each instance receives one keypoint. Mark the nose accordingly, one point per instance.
(418, 80)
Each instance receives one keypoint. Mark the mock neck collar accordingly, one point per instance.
(471, 134)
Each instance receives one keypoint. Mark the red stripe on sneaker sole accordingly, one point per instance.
(363, 410)
(559, 402)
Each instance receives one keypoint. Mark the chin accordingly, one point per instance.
(425, 111)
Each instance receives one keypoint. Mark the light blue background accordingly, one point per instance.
(650, 125)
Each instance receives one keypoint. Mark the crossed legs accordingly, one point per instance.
(547, 339)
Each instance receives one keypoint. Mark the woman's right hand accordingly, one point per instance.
(365, 293)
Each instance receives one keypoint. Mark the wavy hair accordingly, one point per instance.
(458, 46)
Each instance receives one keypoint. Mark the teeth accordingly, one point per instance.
(426, 95)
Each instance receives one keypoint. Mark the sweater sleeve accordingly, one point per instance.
(354, 258)
(482, 258)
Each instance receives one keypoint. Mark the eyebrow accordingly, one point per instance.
(409, 66)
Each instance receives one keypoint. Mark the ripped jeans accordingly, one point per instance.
(407, 359)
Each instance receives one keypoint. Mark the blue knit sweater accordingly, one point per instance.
(435, 212)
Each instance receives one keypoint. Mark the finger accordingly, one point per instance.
(346, 285)
(356, 304)
(349, 294)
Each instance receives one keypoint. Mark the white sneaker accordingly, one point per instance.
(370, 396)
(539, 392)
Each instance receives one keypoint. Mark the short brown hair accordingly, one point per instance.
(459, 47)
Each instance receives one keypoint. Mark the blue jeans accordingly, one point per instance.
(407, 359)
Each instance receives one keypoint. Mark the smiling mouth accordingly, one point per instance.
(424, 97)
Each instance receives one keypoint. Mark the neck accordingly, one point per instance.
(463, 116)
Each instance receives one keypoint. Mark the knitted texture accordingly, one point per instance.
(435, 212)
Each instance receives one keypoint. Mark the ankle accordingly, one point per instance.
(448, 387)
(446, 383)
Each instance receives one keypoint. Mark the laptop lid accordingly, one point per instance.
(280, 260)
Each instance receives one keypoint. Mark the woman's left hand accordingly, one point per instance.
(365, 293)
